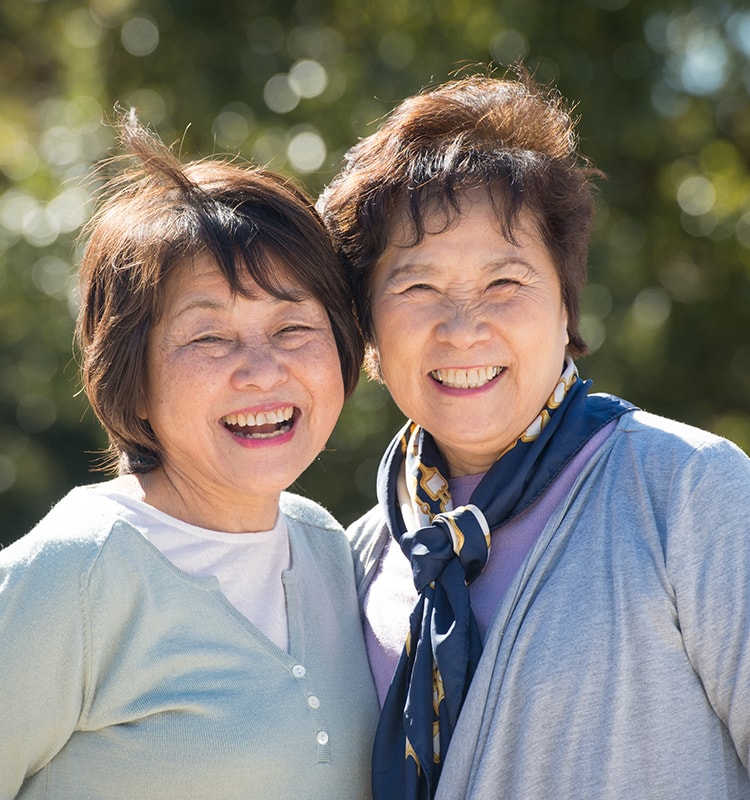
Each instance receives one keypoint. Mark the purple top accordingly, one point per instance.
(391, 595)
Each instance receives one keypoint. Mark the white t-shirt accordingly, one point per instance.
(248, 566)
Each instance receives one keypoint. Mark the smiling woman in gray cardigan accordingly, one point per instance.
(555, 585)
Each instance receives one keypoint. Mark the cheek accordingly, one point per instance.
(400, 376)
(401, 337)
(177, 386)
(326, 410)
(391, 316)
(324, 377)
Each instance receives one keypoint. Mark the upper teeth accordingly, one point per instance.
(261, 418)
(466, 378)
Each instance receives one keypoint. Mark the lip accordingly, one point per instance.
(267, 426)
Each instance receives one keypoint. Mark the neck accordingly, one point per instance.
(230, 512)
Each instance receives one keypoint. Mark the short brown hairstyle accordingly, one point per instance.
(157, 212)
(512, 137)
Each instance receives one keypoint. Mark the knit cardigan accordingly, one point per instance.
(618, 662)
(124, 677)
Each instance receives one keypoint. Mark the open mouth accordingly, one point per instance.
(263, 425)
(471, 378)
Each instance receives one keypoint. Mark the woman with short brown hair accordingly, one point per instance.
(570, 574)
(188, 628)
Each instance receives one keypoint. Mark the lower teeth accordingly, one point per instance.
(283, 428)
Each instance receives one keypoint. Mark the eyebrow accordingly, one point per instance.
(291, 295)
(413, 269)
(199, 304)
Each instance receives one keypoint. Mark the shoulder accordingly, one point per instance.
(667, 455)
(365, 532)
(367, 536)
(306, 512)
(75, 528)
(639, 421)
(649, 432)
(319, 545)
(54, 566)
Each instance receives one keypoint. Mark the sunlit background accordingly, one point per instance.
(662, 89)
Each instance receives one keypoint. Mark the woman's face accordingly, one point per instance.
(470, 330)
(242, 394)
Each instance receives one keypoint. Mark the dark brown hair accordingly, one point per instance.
(157, 212)
(513, 138)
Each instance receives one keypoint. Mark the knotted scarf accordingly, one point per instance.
(448, 548)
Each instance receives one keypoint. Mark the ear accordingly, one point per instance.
(372, 363)
(141, 405)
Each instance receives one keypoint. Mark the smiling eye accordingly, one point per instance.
(420, 287)
(503, 283)
(208, 338)
(296, 327)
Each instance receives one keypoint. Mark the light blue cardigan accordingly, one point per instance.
(123, 677)
(618, 663)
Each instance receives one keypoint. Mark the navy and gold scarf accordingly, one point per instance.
(448, 548)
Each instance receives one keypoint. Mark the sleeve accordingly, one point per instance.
(42, 630)
(708, 558)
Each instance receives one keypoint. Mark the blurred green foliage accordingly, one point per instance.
(662, 89)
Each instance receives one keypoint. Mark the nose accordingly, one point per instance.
(463, 325)
(260, 366)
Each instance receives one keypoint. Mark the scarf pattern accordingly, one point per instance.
(448, 548)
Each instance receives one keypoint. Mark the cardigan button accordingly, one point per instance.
(298, 671)
(322, 737)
